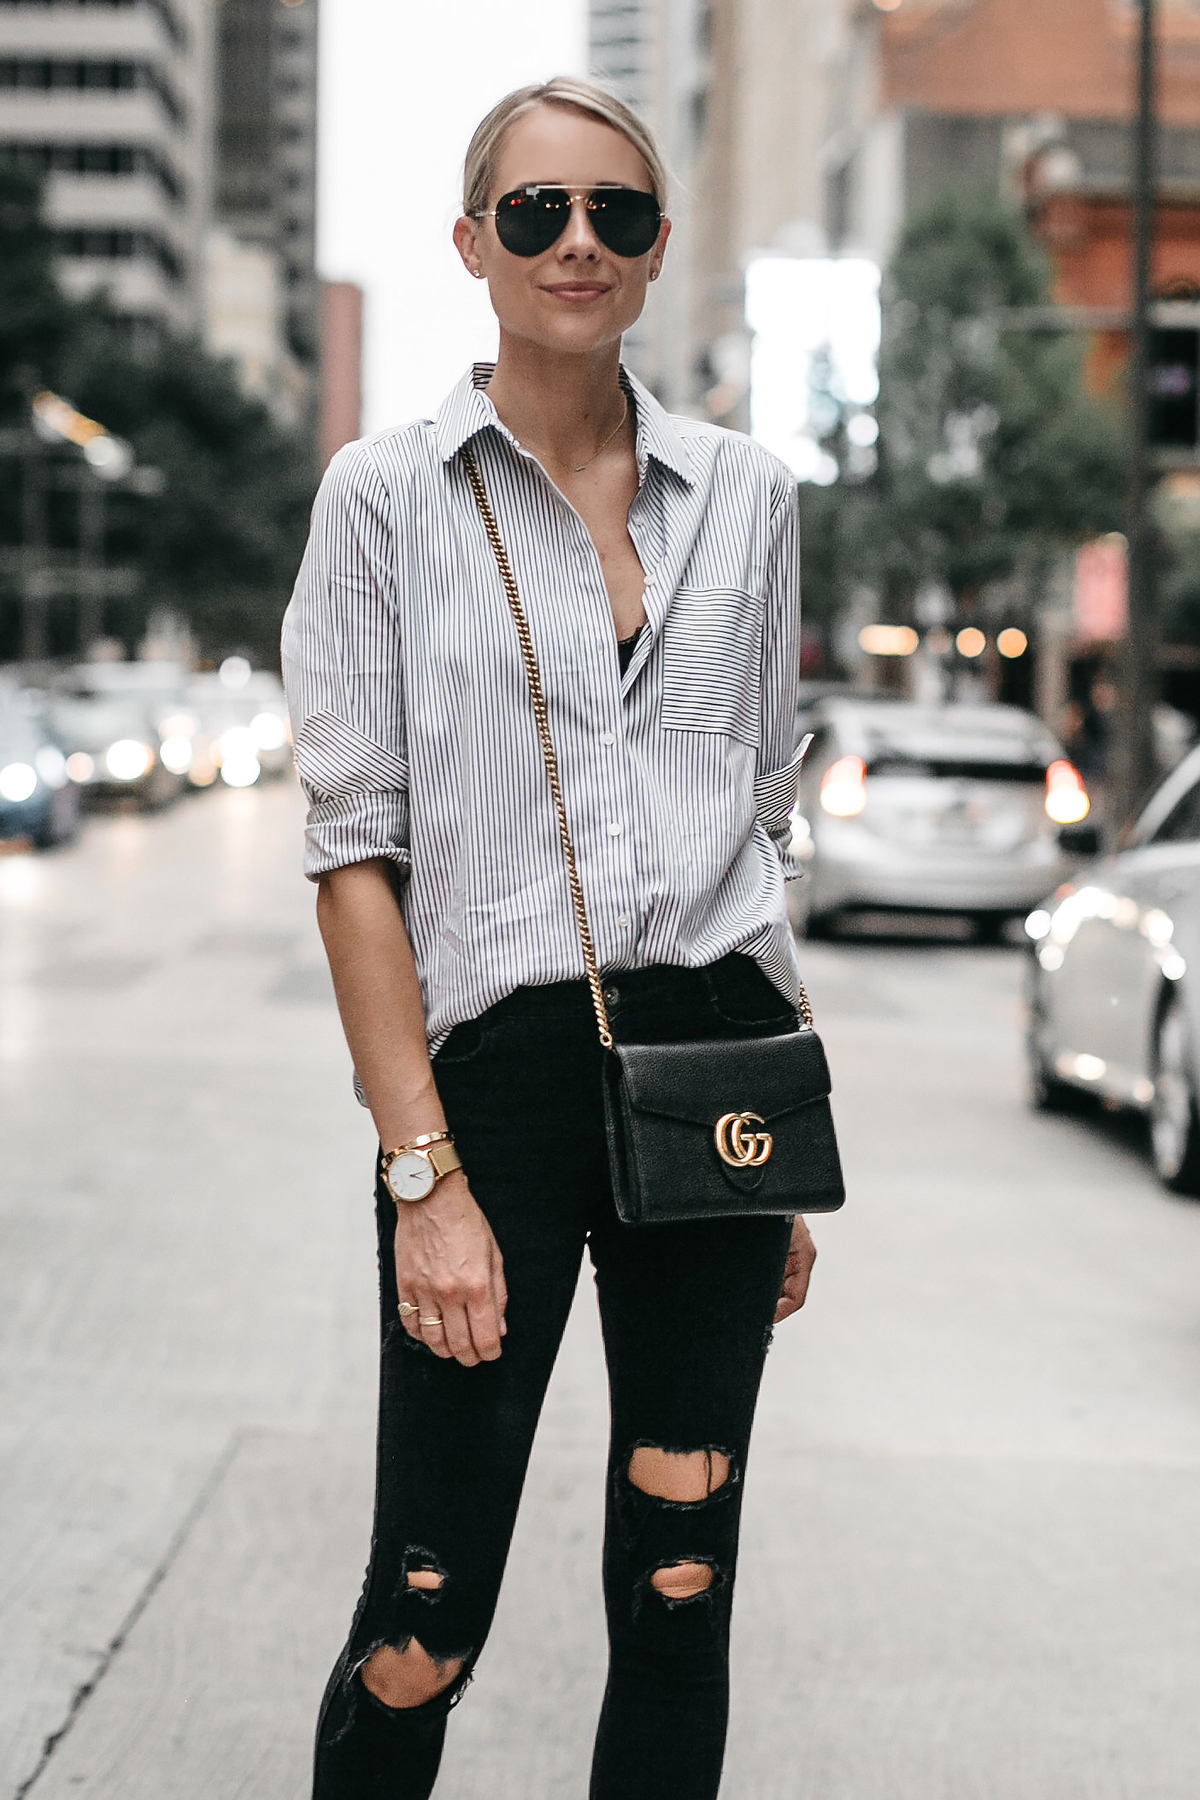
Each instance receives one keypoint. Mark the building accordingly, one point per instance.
(113, 100)
(735, 92)
(341, 366)
(265, 195)
(1029, 97)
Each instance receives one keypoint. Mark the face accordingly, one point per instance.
(577, 296)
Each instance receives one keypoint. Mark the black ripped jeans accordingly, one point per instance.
(686, 1313)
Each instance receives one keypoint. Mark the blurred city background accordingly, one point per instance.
(942, 257)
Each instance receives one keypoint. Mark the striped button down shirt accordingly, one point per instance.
(415, 736)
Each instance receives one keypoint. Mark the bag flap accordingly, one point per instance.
(699, 1082)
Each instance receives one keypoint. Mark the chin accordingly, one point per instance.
(576, 336)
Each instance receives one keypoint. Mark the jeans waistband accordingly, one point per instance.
(661, 982)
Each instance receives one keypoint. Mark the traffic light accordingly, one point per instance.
(1174, 387)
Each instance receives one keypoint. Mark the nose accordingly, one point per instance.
(579, 239)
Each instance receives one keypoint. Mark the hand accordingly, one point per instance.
(802, 1254)
(448, 1262)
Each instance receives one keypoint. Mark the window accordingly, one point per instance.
(108, 74)
(1182, 823)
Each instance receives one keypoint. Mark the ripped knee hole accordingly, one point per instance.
(408, 1677)
(683, 1581)
(427, 1579)
(679, 1475)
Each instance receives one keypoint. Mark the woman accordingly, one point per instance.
(656, 560)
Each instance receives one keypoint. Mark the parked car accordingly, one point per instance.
(949, 809)
(113, 747)
(241, 732)
(38, 800)
(118, 724)
(1114, 986)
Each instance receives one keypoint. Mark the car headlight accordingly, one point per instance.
(175, 754)
(269, 731)
(17, 781)
(127, 759)
(51, 766)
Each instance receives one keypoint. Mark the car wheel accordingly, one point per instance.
(1174, 1117)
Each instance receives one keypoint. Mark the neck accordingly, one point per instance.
(560, 405)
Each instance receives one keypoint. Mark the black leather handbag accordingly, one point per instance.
(706, 1130)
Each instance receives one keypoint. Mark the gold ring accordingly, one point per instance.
(407, 1307)
(435, 1320)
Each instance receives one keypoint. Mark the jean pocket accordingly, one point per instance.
(464, 1044)
(746, 998)
(712, 660)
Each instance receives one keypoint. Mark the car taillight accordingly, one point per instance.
(1066, 797)
(844, 787)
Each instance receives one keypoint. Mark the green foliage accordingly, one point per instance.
(221, 543)
(35, 319)
(991, 452)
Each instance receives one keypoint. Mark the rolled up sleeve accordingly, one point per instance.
(343, 674)
(777, 772)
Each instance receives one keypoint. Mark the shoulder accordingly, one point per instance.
(733, 460)
(390, 459)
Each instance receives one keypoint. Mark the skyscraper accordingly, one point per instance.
(112, 100)
(266, 170)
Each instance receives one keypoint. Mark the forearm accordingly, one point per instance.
(379, 999)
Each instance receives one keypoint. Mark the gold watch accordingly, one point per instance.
(414, 1169)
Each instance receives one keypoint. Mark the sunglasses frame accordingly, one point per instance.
(573, 194)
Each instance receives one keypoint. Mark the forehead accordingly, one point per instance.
(556, 144)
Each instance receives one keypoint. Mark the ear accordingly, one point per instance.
(466, 242)
(659, 250)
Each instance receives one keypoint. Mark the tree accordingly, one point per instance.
(991, 455)
(221, 542)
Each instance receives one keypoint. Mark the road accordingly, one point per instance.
(971, 1562)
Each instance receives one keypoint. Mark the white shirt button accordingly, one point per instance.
(608, 737)
(615, 828)
(624, 921)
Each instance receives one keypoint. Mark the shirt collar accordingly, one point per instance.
(466, 411)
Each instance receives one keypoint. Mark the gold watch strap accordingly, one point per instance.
(443, 1159)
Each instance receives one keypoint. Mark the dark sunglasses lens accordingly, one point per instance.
(530, 219)
(625, 220)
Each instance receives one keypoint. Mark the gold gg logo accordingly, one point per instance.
(738, 1145)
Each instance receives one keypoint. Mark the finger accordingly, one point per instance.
(483, 1319)
(408, 1319)
(433, 1335)
(500, 1293)
(457, 1331)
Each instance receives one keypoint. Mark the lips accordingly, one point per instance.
(579, 290)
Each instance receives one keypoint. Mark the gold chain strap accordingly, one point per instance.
(541, 714)
(550, 758)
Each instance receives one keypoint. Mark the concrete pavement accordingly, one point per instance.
(970, 1564)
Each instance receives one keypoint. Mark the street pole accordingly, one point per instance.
(33, 532)
(92, 499)
(1136, 767)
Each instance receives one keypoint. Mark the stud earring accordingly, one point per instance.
(654, 273)
(478, 274)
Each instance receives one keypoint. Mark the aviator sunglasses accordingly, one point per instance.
(531, 218)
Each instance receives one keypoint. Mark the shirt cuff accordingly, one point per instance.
(358, 797)
(775, 795)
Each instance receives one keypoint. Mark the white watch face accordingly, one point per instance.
(411, 1176)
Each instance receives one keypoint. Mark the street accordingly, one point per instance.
(971, 1553)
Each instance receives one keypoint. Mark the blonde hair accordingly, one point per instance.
(483, 152)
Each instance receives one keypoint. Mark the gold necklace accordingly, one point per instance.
(580, 467)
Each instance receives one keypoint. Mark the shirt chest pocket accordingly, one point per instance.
(712, 662)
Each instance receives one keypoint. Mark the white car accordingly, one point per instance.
(947, 809)
(1115, 980)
